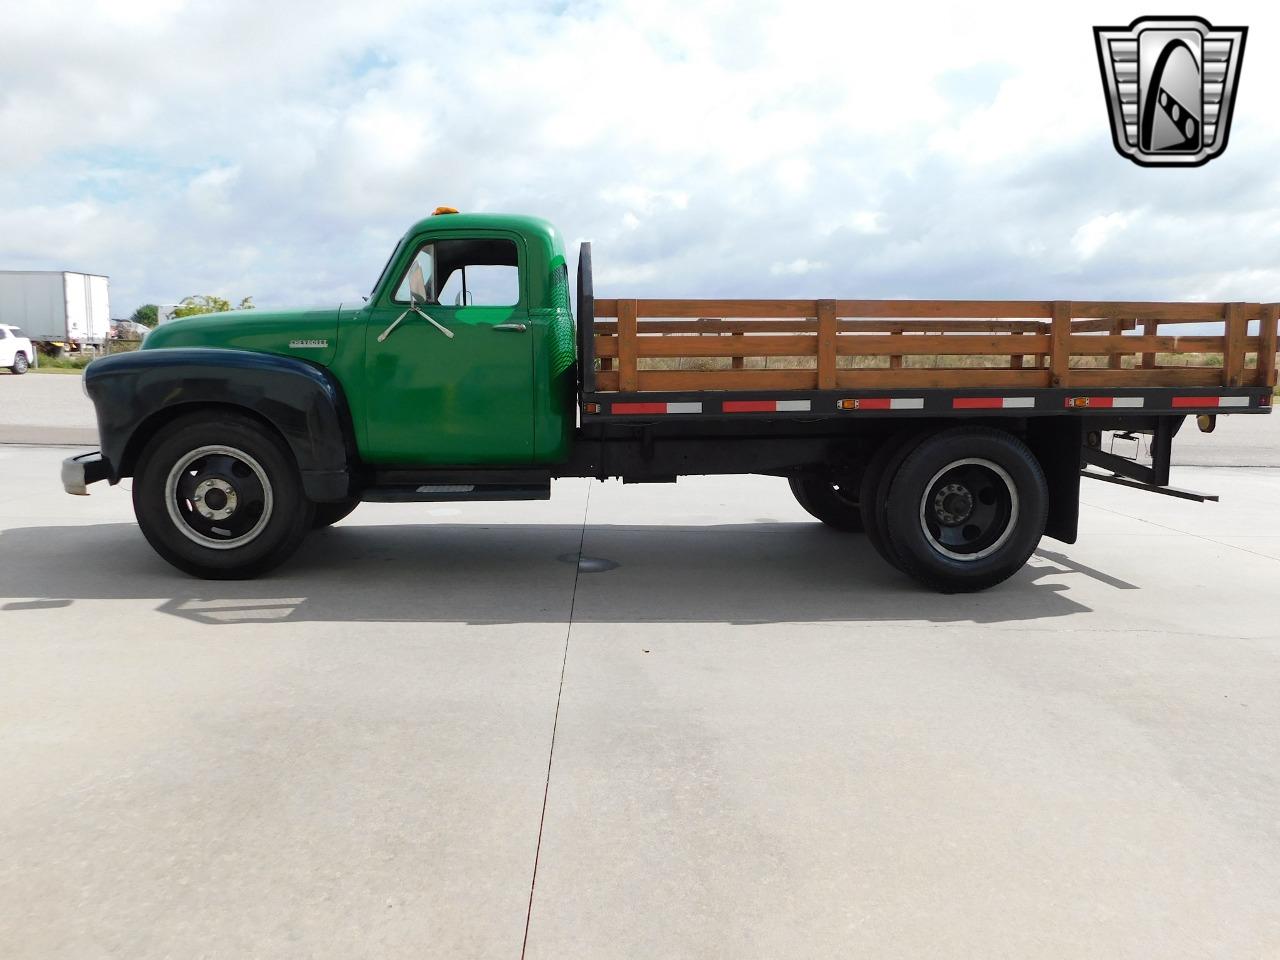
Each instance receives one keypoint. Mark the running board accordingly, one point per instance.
(1152, 487)
(447, 492)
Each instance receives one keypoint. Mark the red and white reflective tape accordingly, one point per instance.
(883, 403)
(1107, 403)
(651, 408)
(992, 403)
(766, 406)
(1210, 401)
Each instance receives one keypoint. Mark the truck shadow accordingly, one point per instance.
(768, 572)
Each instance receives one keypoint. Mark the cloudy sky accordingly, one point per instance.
(708, 148)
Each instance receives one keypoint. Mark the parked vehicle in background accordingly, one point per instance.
(60, 311)
(16, 351)
(464, 377)
(128, 330)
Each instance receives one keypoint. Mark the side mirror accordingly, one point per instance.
(417, 285)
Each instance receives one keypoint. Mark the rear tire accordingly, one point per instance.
(966, 509)
(19, 363)
(875, 490)
(327, 514)
(220, 497)
(833, 502)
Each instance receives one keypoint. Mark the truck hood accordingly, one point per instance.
(307, 334)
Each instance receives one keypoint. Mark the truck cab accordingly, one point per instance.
(473, 367)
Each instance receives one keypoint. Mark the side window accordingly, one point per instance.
(482, 272)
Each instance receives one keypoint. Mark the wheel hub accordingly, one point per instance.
(215, 499)
(219, 497)
(953, 504)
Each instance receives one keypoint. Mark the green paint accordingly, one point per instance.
(485, 396)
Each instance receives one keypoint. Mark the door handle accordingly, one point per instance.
(512, 327)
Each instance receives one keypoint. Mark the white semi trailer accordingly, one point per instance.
(57, 309)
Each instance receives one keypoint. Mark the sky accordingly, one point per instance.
(278, 150)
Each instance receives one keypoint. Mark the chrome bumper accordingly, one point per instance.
(79, 472)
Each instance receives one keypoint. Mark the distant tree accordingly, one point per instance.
(207, 303)
(145, 315)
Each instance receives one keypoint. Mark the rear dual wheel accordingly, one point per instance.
(959, 510)
(832, 500)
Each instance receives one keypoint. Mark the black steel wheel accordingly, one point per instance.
(19, 363)
(220, 497)
(830, 499)
(327, 514)
(966, 509)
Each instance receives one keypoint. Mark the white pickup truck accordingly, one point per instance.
(16, 351)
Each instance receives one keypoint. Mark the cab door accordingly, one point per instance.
(449, 380)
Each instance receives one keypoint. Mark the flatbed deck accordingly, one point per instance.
(802, 359)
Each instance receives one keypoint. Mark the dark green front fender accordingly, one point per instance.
(137, 394)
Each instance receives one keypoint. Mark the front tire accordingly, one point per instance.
(20, 364)
(966, 509)
(834, 502)
(220, 497)
(327, 514)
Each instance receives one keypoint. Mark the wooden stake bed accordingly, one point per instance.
(797, 357)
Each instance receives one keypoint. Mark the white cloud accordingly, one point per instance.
(795, 268)
(752, 149)
(1096, 232)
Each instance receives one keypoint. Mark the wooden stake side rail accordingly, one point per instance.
(1027, 343)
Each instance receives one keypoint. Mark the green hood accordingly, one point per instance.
(306, 334)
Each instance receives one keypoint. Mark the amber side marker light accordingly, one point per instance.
(847, 404)
(591, 408)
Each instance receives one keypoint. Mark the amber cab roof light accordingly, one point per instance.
(442, 210)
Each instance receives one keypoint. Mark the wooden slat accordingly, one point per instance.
(972, 378)
(869, 345)
(1108, 346)
(1097, 326)
(1233, 352)
(1267, 337)
(1162, 377)
(1140, 310)
(944, 308)
(727, 308)
(909, 378)
(737, 358)
(713, 325)
(1059, 343)
(826, 345)
(728, 379)
(627, 345)
(1107, 311)
(725, 346)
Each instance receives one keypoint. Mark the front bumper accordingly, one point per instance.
(79, 472)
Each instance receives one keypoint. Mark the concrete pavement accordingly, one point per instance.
(766, 743)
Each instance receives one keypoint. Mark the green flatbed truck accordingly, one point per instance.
(466, 376)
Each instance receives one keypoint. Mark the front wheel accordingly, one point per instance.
(833, 501)
(327, 514)
(19, 363)
(220, 497)
(966, 509)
